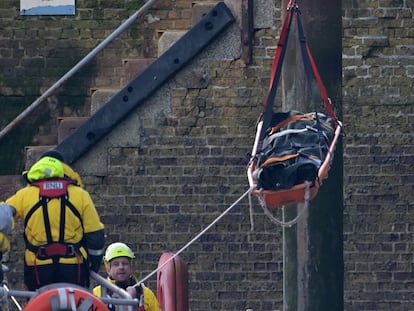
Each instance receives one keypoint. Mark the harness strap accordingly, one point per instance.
(54, 189)
(276, 72)
(310, 67)
(293, 221)
(63, 200)
(309, 64)
(279, 159)
(46, 219)
(292, 119)
(52, 250)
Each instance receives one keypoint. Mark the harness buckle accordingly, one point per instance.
(56, 250)
(42, 253)
(70, 250)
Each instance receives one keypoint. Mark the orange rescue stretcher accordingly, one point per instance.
(307, 190)
(296, 194)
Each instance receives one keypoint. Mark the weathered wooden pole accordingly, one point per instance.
(313, 261)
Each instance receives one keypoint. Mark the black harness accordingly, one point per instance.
(54, 189)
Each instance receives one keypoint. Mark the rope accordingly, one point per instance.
(251, 212)
(294, 221)
(196, 237)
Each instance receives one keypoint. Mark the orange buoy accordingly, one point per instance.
(172, 283)
(64, 296)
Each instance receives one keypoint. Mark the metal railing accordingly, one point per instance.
(123, 300)
(77, 67)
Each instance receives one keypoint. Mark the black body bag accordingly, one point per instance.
(294, 148)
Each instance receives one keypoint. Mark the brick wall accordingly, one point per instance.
(36, 51)
(183, 167)
(378, 155)
(187, 164)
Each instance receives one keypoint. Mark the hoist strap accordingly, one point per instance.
(309, 64)
(267, 111)
(311, 68)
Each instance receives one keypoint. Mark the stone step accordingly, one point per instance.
(67, 125)
(99, 97)
(134, 66)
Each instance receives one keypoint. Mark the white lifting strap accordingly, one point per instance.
(67, 301)
(275, 220)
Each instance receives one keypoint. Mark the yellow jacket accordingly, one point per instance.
(150, 300)
(87, 227)
(4, 242)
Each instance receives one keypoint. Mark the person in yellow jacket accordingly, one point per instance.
(118, 263)
(64, 236)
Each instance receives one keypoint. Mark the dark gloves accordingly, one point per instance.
(95, 262)
(94, 243)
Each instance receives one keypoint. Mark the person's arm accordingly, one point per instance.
(7, 213)
(94, 234)
(94, 243)
(150, 300)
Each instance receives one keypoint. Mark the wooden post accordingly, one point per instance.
(313, 262)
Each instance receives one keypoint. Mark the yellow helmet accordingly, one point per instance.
(46, 167)
(118, 249)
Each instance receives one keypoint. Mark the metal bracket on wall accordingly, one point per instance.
(247, 22)
(145, 84)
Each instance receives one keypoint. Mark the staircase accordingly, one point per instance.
(65, 138)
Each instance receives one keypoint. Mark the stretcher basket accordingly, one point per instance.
(303, 189)
(298, 193)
